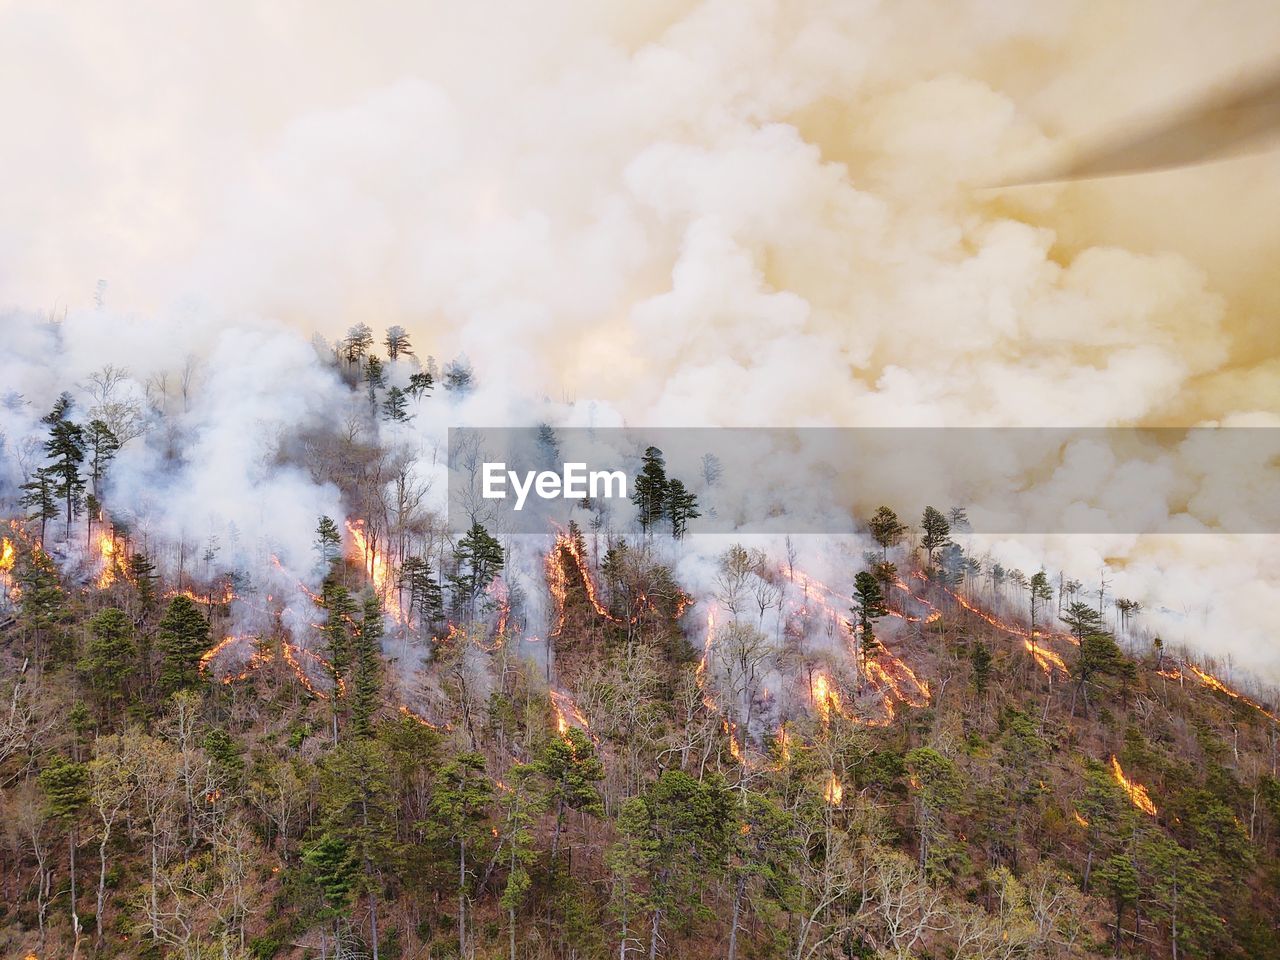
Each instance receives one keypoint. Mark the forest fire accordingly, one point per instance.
(1136, 792)
(833, 792)
(567, 545)
(107, 552)
(290, 653)
(7, 559)
(897, 679)
(567, 713)
(1045, 658)
(1213, 683)
(825, 697)
(1079, 819)
(376, 568)
(418, 718)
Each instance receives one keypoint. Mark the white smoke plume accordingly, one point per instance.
(721, 213)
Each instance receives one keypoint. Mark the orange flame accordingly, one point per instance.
(376, 567)
(1213, 683)
(833, 793)
(567, 713)
(1047, 660)
(107, 551)
(1079, 819)
(826, 698)
(1136, 792)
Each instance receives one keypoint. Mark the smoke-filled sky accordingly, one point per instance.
(736, 212)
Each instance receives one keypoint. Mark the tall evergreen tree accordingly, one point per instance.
(572, 769)
(328, 540)
(341, 609)
(459, 809)
(649, 493)
(397, 343)
(420, 384)
(358, 807)
(887, 530)
(395, 406)
(66, 789)
(65, 449)
(183, 640)
(868, 606)
(102, 448)
(478, 558)
(40, 497)
(682, 506)
(367, 679)
(111, 654)
(936, 531)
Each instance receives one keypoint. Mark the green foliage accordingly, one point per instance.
(183, 639)
(869, 605)
(66, 787)
(367, 680)
(886, 529)
(650, 491)
(682, 506)
(111, 654)
(980, 663)
(935, 532)
(478, 558)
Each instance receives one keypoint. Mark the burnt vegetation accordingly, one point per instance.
(438, 749)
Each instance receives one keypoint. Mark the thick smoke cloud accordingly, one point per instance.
(719, 213)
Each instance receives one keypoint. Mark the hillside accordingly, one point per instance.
(742, 773)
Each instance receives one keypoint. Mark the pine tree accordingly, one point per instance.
(420, 384)
(677, 840)
(887, 530)
(39, 495)
(66, 789)
(328, 540)
(936, 530)
(183, 639)
(868, 606)
(650, 489)
(367, 681)
(980, 661)
(459, 809)
(1041, 593)
(374, 380)
(340, 608)
(522, 801)
(43, 603)
(142, 573)
(459, 378)
(395, 406)
(358, 807)
(103, 447)
(111, 654)
(397, 342)
(570, 764)
(331, 869)
(426, 599)
(682, 506)
(358, 340)
(478, 558)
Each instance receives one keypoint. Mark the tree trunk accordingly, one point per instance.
(555, 836)
(511, 926)
(102, 888)
(737, 907)
(653, 935)
(462, 901)
(75, 917)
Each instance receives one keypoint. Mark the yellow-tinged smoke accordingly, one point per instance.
(728, 212)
